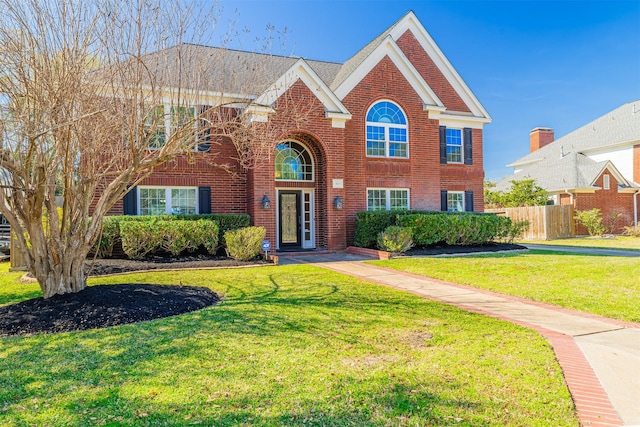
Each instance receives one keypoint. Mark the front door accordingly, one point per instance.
(290, 219)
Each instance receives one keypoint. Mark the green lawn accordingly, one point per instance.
(617, 242)
(608, 286)
(290, 345)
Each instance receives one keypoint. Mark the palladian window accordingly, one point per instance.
(387, 131)
(293, 162)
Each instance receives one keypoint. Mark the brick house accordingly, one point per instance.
(394, 127)
(595, 166)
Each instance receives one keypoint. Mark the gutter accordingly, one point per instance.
(635, 208)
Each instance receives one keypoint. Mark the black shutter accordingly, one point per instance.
(443, 145)
(130, 202)
(468, 201)
(443, 201)
(204, 200)
(204, 133)
(468, 144)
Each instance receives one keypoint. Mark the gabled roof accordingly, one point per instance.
(617, 128)
(573, 171)
(388, 48)
(358, 65)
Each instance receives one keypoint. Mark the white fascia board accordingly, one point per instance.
(389, 48)
(338, 120)
(302, 71)
(411, 22)
(615, 145)
(611, 168)
(454, 120)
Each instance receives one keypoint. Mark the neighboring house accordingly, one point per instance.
(595, 166)
(399, 129)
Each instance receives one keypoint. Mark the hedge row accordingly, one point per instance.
(433, 227)
(111, 226)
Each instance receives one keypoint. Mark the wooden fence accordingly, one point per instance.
(545, 222)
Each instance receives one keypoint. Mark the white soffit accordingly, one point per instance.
(388, 47)
(335, 109)
(411, 22)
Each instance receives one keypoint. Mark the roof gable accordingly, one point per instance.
(302, 71)
(411, 23)
(388, 48)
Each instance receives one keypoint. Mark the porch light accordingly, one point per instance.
(266, 203)
(337, 203)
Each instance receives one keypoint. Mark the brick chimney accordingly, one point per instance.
(539, 137)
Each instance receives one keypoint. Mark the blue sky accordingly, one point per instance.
(558, 64)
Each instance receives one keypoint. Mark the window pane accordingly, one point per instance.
(454, 146)
(183, 201)
(152, 201)
(399, 199)
(455, 202)
(397, 149)
(155, 127)
(293, 162)
(376, 200)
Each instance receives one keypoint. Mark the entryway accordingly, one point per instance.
(295, 221)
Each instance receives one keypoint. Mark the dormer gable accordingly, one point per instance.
(334, 109)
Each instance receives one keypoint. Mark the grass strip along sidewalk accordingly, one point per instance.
(289, 345)
(603, 285)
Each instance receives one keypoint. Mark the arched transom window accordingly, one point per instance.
(387, 131)
(293, 162)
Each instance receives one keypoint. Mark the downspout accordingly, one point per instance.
(635, 208)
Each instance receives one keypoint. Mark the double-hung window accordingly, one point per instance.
(162, 121)
(385, 199)
(454, 145)
(167, 200)
(455, 201)
(386, 131)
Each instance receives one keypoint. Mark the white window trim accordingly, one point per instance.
(461, 162)
(387, 191)
(606, 182)
(464, 207)
(386, 127)
(167, 195)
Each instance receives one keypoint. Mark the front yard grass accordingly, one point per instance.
(617, 242)
(289, 345)
(604, 285)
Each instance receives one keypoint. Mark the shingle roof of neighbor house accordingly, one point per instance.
(563, 164)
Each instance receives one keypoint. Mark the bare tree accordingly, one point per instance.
(93, 97)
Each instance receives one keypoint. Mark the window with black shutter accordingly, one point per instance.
(130, 202)
(204, 200)
(468, 201)
(468, 144)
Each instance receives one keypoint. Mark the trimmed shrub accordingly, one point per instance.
(245, 243)
(454, 228)
(592, 220)
(140, 238)
(110, 235)
(369, 224)
(200, 235)
(395, 239)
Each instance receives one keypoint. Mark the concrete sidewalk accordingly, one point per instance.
(600, 357)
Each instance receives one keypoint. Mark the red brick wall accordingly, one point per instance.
(430, 72)
(610, 202)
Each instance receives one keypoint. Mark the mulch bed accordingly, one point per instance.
(102, 306)
(112, 305)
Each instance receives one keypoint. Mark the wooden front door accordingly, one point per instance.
(290, 219)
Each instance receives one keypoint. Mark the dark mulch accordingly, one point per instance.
(102, 306)
(100, 267)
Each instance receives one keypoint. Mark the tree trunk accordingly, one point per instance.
(63, 278)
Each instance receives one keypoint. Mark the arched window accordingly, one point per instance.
(293, 162)
(387, 131)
